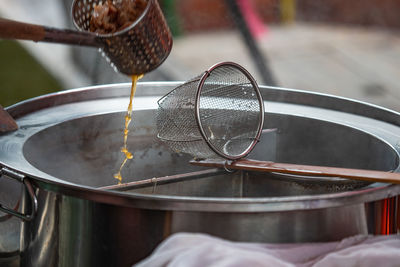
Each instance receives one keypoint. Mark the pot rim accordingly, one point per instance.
(187, 203)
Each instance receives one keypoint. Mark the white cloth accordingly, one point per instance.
(199, 250)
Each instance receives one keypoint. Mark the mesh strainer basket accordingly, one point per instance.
(217, 114)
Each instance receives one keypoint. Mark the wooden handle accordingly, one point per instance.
(7, 123)
(268, 166)
(10, 29)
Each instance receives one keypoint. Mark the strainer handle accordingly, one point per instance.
(10, 29)
(297, 169)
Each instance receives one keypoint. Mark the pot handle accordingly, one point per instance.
(29, 188)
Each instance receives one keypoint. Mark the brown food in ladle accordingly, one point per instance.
(113, 16)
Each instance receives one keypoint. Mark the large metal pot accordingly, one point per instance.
(72, 214)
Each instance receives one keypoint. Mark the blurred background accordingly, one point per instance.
(339, 47)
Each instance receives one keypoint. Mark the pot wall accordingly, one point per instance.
(70, 231)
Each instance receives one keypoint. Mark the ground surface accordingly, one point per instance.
(355, 62)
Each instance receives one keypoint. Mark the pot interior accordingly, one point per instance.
(86, 151)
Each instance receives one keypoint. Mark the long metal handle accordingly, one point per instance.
(29, 188)
(10, 29)
(268, 166)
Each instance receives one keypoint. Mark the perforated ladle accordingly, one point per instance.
(137, 49)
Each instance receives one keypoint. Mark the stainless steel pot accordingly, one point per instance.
(72, 214)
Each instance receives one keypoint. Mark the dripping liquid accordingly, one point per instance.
(128, 118)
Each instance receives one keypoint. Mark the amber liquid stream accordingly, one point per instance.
(128, 119)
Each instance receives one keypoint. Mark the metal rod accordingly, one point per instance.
(162, 180)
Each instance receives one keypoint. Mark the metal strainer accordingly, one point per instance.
(219, 113)
(137, 49)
